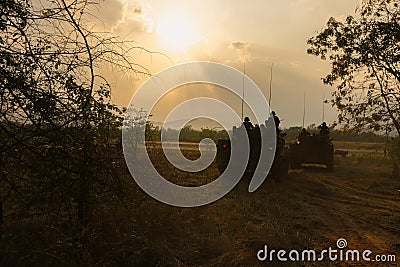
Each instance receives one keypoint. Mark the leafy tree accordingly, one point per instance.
(213, 133)
(135, 127)
(364, 52)
(188, 134)
(58, 126)
(152, 134)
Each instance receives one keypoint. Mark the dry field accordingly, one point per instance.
(310, 209)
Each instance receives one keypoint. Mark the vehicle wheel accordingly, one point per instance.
(221, 164)
(329, 166)
(295, 165)
(284, 169)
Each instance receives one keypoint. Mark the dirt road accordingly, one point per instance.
(359, 202)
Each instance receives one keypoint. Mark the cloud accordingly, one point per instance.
(131, 26)
(124, 16)
(238, 45)
(109, 12)
(138, 10)
(295, 64)
(242, 49)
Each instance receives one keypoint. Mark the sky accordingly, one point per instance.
(258, 33)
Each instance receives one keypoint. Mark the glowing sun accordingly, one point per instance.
(177, 32)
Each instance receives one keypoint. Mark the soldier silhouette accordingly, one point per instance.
(323, 129)
(276, 119)
(303, 135)
(247, 123)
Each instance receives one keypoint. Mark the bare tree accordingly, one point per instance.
(59, 129)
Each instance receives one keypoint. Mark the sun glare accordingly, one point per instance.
(177, 32)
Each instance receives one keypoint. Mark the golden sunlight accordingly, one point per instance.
(177, 32)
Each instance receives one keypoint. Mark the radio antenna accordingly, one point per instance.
(323, 106)
(244, 73)
(304, 106)
(270, 86)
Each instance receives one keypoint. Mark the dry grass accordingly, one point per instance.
(312, 208)
(358, 145)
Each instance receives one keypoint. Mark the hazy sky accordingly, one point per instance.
(260, 32)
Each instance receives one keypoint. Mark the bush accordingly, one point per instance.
(394, 153)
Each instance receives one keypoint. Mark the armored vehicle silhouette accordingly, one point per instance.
(280, 163)
(312, 149)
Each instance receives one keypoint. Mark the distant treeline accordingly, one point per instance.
(188, 134)
(337, 134)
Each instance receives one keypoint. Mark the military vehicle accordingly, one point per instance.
(312, 149)
(280, 163)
